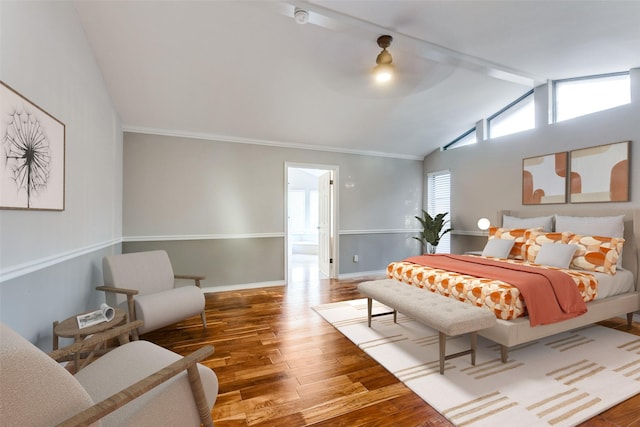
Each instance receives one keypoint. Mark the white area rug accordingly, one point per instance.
(559, 381)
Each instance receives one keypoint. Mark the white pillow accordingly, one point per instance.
(546, 222)
(606, 226)
(498, 248)
(556, 254)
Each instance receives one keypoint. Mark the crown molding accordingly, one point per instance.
(264, 142)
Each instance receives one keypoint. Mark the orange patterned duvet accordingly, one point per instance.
(504, 299)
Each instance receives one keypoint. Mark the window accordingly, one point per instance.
(438, 201)
(303, 214)
(467, 138)
(518, 116)
(297, 211)
(584, 95)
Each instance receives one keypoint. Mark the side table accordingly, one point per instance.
(69, 328)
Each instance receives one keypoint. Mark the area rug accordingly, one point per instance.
(561, 380)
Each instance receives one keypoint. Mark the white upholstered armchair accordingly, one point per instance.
(137, 384)
(143, 284)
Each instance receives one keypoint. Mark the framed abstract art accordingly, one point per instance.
(544, 179)
(600, 174)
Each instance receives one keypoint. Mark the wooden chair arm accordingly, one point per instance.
(94, 340)
(196, 279)
(117, 400)
(130, 306)
(117, 290)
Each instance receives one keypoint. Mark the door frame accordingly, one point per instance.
(334, 241)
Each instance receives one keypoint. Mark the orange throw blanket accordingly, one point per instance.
(550, 295)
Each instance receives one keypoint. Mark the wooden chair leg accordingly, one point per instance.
(132, 316)
(55, 336)
(203, 316)
(199, 396)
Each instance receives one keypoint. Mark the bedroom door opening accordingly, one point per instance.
(310, 226)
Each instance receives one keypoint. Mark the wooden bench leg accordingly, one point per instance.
(442, 342)
(504, 353)
(369, 308)
(474, 341)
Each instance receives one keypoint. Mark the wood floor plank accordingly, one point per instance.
(280, 364)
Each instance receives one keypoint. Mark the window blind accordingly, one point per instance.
(438, 201)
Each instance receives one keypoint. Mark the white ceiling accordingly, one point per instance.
(246, 71)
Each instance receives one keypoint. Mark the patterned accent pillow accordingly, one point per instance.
(536, 238)
(596, 253)
(515, 234)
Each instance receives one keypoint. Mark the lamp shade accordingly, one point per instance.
(484, 224)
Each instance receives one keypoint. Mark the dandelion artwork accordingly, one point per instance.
(33, 155)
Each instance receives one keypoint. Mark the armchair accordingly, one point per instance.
(143, 284)
(137, 384)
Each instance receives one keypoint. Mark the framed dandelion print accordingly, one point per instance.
(32, 168)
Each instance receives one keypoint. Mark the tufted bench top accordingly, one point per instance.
(441, 313)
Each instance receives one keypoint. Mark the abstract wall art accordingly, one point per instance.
(544, 179)
(32, 167)
(600, 174)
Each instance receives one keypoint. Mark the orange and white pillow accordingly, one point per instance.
(518, 251)
(536, 238)
(596, 253)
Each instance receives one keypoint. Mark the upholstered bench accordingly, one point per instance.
(446, 315)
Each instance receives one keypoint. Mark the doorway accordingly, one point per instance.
(310, 223)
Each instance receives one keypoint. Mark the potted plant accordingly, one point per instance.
(432, 230)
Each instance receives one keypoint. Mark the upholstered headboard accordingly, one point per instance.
(631, 252)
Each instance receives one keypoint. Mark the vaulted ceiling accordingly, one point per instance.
(246, 71)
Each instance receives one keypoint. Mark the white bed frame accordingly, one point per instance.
(509, 333)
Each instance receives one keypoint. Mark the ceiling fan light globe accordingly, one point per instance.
(383, 77)
(383, 73)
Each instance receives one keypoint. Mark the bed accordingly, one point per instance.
(605, 294)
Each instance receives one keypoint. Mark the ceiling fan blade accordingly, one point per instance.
(320, 20)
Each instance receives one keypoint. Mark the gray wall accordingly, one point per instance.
(50, 261)
(223, 204)
(487, 176)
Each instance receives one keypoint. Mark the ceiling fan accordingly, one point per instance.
(305, 12)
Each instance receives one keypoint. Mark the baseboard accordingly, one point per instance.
(241, 286)
(362, 274)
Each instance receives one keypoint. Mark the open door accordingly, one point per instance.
(325, 256)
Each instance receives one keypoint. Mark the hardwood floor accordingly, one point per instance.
(280, 364)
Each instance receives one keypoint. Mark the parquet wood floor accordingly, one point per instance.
(280, 364)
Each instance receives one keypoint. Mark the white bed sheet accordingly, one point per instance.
(610, 285)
